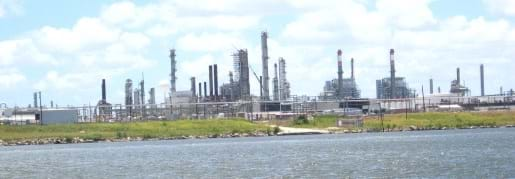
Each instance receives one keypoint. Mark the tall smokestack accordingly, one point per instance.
(340, 74)
(152, 94)
(458, 76)
(392, 75)
(173, 70)
(35, 100)
(205, 89)
(431, 86)
(352, 69)
(275, 82)
(264, 51)
(210, 81)
(193, 87)
(481, 69)
(215, 74)
(142, 91)
(200, 90)
(103, 90)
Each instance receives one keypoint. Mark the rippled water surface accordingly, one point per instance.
(478, 153)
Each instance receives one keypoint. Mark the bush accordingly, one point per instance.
(302, 119)
(276, 130)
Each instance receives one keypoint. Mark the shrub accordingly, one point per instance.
(276, 130)
(302, 119)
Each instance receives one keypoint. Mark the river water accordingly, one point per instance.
(475, 153)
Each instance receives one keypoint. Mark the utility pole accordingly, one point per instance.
(40, 110)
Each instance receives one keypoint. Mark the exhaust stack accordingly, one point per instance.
(103, 90)
(215, 74)
(392, 75)
(481, 69)
(340, 74)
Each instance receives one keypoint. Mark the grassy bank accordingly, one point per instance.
(440, 120)
(148, 129)
(420, 120)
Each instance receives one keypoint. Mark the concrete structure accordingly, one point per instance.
(457, 88)
(393, 87)
(242, 69)
(341, 88)
(383, 88)
(60, 116)
(32, 116)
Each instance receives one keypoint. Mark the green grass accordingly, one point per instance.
(147, 129)
(421, 120)
(439, 120)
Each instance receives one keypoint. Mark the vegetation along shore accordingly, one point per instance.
(199, 129)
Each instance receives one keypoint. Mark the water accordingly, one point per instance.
(478, 153)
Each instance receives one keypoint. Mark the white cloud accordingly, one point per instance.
(506, 7)
(86, 33)
(10, 78)
(23, 51)
(406, 13)
(208, 42)
(10, 7)
(126, 39)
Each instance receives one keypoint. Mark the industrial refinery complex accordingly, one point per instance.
(210, 98)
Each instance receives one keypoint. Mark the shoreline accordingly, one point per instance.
(78, 140)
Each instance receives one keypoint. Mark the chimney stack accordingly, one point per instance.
(340, 74)
(200, 90)
(205, 90)
(392, 75)
(482, 73)
(352, 69)
(104, 91)
(264, 55)
(193, 89)
(215, 74)
(35, 100)
(210, 81)
(458, 76)
(431, 86)
(172, 71)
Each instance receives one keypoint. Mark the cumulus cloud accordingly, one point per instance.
(10, 78)
(125, 39)
(506, 7)
(10, 7)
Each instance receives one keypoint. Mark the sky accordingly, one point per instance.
(64, 48)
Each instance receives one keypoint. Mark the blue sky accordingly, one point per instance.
(64, 48)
